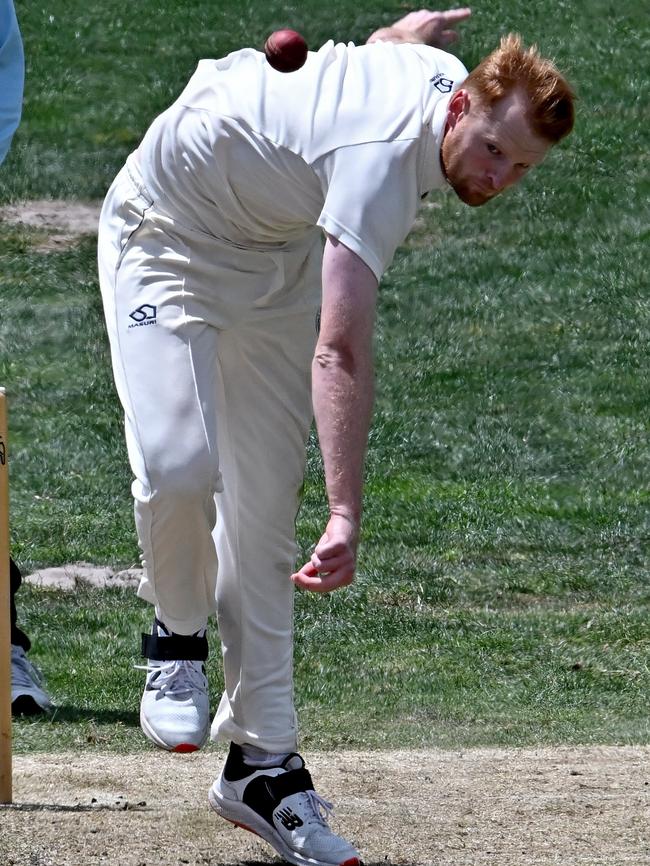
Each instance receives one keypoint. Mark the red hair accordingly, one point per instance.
(511, 66)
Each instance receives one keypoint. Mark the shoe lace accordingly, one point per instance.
(23, 673)
(178, 676)
(320, 808)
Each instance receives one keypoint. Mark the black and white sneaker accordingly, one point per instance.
(280, 805)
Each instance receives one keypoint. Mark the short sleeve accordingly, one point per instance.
(371, 198)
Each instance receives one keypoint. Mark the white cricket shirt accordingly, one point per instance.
(349, 143)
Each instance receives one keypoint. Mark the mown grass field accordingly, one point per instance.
(503, 591)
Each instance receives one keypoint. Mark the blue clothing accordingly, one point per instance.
(12, 75)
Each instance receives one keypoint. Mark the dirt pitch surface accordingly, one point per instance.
(59, 223)
(514, 807)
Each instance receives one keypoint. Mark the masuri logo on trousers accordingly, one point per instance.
(145, 314)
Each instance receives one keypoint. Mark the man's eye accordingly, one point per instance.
(523, 166)
(492, 148)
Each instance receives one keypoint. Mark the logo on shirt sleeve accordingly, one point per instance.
(441, 83)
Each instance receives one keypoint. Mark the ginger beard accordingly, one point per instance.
(487, 149)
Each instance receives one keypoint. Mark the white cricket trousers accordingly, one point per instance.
(212, 347)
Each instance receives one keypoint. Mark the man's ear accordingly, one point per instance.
(458, 107)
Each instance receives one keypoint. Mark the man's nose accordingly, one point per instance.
(499, 177)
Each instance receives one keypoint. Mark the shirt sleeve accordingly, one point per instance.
(12, 75)
(371, 198)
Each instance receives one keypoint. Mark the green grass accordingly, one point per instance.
(503, 593)
(375, 667)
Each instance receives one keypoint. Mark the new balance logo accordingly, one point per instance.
(288, 819)
(145, 314)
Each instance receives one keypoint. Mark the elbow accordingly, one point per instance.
(328, 358)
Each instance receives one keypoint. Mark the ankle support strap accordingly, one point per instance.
(264, 793)
(292, 782)
(176, 647)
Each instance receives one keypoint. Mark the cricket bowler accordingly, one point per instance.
(240, 253)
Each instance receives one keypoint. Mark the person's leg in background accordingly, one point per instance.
(28, 697)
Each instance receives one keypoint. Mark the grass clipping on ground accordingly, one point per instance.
(482, 806)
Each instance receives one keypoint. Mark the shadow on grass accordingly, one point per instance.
(67, 713)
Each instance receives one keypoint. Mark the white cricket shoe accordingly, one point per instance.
(28, 698)
(280, 805)
(175, 707)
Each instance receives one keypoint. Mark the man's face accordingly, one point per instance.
(486, 150)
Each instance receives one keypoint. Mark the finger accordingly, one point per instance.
(308, 570)
(322, 582)
(309, 578)
(452, 16)
(334, 548)
(333, 561)
(327, 556)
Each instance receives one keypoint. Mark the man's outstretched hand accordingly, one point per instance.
(424, 27)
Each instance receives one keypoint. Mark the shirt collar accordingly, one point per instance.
(432, 173)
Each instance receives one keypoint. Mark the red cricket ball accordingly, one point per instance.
(286, 50)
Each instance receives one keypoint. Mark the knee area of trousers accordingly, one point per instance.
(189, 483)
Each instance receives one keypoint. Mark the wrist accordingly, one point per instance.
(350, 516)
(392, 34)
